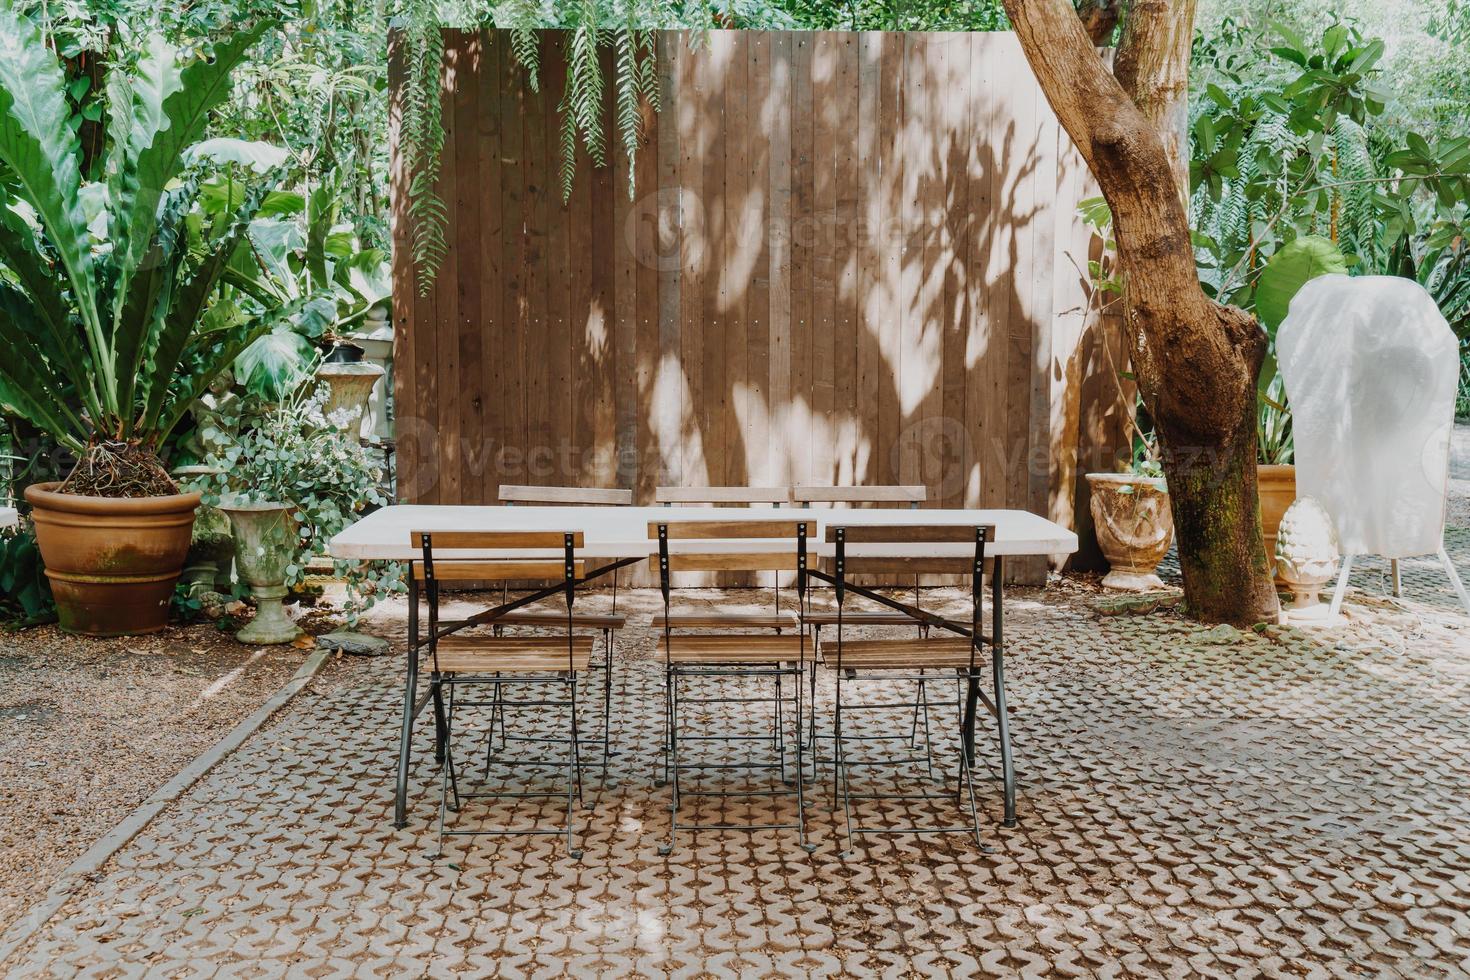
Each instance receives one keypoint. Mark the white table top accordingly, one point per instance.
(9, 517)
(622, 532)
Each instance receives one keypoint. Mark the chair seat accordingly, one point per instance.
(735, 650)
(727, 620)
(552, 618)
(512, 654)
(937, 652)
(861, 617)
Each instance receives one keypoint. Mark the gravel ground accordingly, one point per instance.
(89, 729)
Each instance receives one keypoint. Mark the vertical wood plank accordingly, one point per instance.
(514, 106)
(778, 108)
(844, 438)
(491, 269)
(827, 129)
(714, 64)
(755, 244)
(695, 133)
(871, 290)
(668, 378)
(466, 247)
(801, 410)
(950, 440)
(735, 271)
(891, 241)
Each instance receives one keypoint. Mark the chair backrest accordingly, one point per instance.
(722, 495)
(433, 566)
(565, 495)
(911, 495)
(736, 546)
(852, 558)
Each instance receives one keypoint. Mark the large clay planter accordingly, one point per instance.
(1276, 486)
(265, 543)
(112, 561)
(1134, 527)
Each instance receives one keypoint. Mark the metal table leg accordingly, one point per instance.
(410, 698)
(998, 678)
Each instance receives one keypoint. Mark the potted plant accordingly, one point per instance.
(1131, 513)
(1133, 523)
(289, 483)
(106, 291)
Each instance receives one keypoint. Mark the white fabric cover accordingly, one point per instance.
(1370, 368)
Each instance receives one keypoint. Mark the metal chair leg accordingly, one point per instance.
(574, 774)
(671, 763)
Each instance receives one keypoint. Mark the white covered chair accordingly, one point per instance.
(1371, 368)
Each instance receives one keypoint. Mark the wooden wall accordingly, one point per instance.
(849, 258)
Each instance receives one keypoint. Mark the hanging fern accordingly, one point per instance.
(627, 26)
(421, 135)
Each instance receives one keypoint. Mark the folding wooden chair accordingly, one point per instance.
(547, 665)
(748, 496)
(898, 495)
(694, 659)
(607, 624)
(858, 661)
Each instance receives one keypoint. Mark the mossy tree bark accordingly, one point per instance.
(1196, 360)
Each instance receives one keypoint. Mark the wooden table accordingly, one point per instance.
(618, 536)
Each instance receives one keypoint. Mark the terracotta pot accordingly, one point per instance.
(1134, 528)
(1276, 486)
(112, 561)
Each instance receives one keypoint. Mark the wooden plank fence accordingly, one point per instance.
(849, 258)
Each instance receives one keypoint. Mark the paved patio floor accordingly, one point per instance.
(1193, 802)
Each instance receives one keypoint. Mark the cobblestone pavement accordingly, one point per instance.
(1193, 802)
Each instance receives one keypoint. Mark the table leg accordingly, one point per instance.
(410, 695)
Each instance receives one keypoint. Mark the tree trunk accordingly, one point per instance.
(1196, 360)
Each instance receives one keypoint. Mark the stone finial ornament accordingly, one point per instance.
(1307, 555)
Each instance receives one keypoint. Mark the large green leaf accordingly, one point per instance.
(1288, 270)
(31, 387)
(211, 356)
(143, 314)
(171, 106)
(275, 364)
(39, 148)
(187, 305)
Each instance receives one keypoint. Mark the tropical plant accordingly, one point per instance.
(313, 462)
(296, 253)
(102, 305)
(25, 592)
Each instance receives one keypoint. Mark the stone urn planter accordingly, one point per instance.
(265, 543)
(112, 561)
(1134, 528)
(1276, 486)
(350, 387)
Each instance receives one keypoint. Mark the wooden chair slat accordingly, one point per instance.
(454, 570)
(724, 561)
(565, 495)
(512, 654)
(731, 620)
(935, 652)
(909, 533)
(695, 530)
(694, 649)
(464, 540)
(919, 565)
